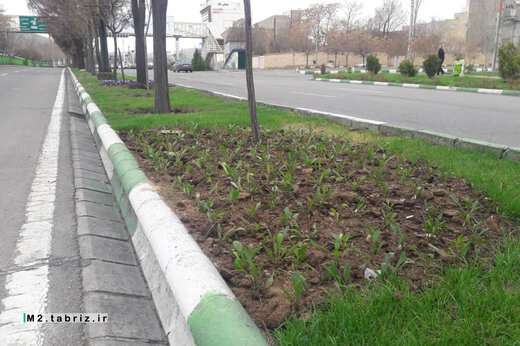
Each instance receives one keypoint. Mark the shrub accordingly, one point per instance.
(509, 57)
(407, 68)
(431, 65)
(373, 64)
(469, 69)
(198, 63)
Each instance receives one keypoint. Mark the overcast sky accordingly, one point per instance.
(188, 10)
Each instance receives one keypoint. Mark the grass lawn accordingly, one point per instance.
(470, 81)
(474, 302)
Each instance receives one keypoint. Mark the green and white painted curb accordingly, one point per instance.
(423, 86)
(195, 305)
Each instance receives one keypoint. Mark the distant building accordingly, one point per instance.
(220, 15)
(482, 24)
(511, 22)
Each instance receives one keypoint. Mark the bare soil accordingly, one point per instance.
(306, 207)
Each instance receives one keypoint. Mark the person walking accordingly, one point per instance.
(442, 56)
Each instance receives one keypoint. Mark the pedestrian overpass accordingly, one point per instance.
(185, 30)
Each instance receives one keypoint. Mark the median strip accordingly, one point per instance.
(194, 303)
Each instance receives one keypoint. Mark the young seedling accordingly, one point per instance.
(387, 268)
(401, 236)
(253, 211)
(337, 269)
(299, 252)
(389, 215)
(298, 287)
(289, 218)
(434, 223)
(277, 251)
(376, 242)
(245, 261)
(234, 194)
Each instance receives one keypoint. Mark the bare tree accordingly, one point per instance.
(66, 26)
(160, 58)
(389, 17)
(117, 17)
(4, 24)
(251, 95)
(415, 6)
(299, 39)
(139, 16)
(363, 43)
(351, 12)
(427, 44)
(322, 18)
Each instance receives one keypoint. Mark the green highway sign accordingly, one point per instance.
(32, 24)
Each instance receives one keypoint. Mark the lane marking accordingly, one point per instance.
(3, 74)
(311, 94)
(343, 116)
(27, 288)
(307, 110)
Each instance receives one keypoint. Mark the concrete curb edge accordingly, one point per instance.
(423, 86)
(195, 305)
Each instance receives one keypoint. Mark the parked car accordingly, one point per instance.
(183, 67)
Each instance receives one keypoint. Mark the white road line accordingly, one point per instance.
(3, 74)
(311, 94)
(308, 110)
(27, 288)
(343, 116)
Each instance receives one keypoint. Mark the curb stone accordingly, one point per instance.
(423, 86)
(195, 305)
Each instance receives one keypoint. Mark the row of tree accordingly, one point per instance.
(341, 29)
(81, 27)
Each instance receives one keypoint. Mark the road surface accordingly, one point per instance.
(63, 246)
(39, 264)
(489, 118)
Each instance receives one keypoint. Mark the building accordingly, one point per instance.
(482, 25)
(511, 22)
(220, 15)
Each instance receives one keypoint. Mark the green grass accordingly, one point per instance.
(471, 81)
(470, 306)
(473, 304)
(15, 60)
(119, 103)
(11, 60)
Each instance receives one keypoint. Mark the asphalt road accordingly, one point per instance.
(27, 102)
(489, 118)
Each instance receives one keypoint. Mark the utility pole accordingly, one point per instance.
(497, 34)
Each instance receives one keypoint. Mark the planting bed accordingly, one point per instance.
(303, 214)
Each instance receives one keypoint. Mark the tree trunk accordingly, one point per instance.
(104, 64)
(115, 55)
(96, 48)
(251, 96)
(160, 58)
(139, 14)
(122, 66)
(91, 51)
